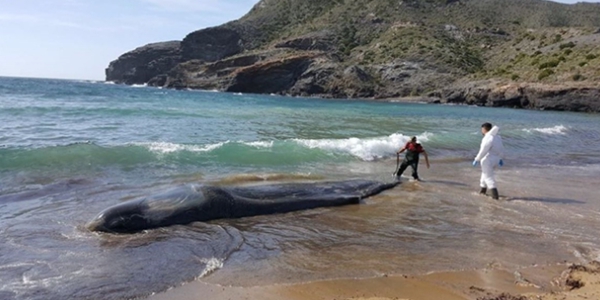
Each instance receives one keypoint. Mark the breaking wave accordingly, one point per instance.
(558, 129)
(253, 153)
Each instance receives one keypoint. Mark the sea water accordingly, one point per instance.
(69, 149)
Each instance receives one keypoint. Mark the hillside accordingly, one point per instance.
(488, 52)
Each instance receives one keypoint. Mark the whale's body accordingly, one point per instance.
(193, 203)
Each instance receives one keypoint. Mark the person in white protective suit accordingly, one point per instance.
(490, 155)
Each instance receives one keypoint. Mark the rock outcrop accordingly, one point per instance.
(408, 78)
(142, 64)
(211, 44)
(578, 98)
(322, 41)
(196, 74)
(273, 76)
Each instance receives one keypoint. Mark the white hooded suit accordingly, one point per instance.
(490, 154)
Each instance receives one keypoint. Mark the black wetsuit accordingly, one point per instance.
(411, 159)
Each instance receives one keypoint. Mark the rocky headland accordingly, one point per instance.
(532, 54)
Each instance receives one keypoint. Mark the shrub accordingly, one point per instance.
(557, 38)
(590, 56)
(568, 51)
(578, 77)
(500, 72)
(536, 53)
(583, 63)
(514, 77)
(549, 64)
(545, 73)
(562, 58)
(517, 59)
(566, 45)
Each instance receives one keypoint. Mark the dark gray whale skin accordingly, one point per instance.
(192, 203)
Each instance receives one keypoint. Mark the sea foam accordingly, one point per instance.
(367, 149)
(164, 147)
(558, 129)
(212, 265)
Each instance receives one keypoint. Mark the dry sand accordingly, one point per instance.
(540, 283)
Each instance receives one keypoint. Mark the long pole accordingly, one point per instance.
(397, 164)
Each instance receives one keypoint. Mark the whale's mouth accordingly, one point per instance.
(103, 224)
(97, 224)
(116, 222)
(114, 227)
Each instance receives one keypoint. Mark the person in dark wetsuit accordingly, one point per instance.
(413, 150)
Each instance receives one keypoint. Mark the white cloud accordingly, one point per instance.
(48, 20)
(191, 5)
(18, 18)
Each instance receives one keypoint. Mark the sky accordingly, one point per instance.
(77, 39)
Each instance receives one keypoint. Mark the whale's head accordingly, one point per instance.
(178, 206)
(122, 218)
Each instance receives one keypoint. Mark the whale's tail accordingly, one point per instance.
(378, 188)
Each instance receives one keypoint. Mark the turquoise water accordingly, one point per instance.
(66, 127)
(68, 149)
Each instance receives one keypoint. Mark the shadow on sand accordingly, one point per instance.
(546, 200)
(446, 182)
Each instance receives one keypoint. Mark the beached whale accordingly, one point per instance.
(193, 203)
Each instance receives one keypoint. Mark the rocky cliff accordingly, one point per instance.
(563, 97)
(519, 53)
(142, 64)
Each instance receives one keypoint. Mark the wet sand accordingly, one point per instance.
(541, 283)
(547, 191)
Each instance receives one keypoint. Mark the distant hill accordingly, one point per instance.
(512, 52)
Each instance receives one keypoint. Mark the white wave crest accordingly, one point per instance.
(366, 149)
(264, 144)
(558, 129)
(139, 85)
(163, 147)
(212, 264)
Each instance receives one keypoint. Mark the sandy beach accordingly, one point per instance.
(505, 277)
(540, 282)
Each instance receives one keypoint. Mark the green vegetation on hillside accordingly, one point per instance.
(513, 39)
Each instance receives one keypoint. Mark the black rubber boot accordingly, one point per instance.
(495, 194)
(483, 191)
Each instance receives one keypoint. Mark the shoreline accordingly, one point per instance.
(579, 98)
(549, 282)
(495, 278)
(573, 97)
